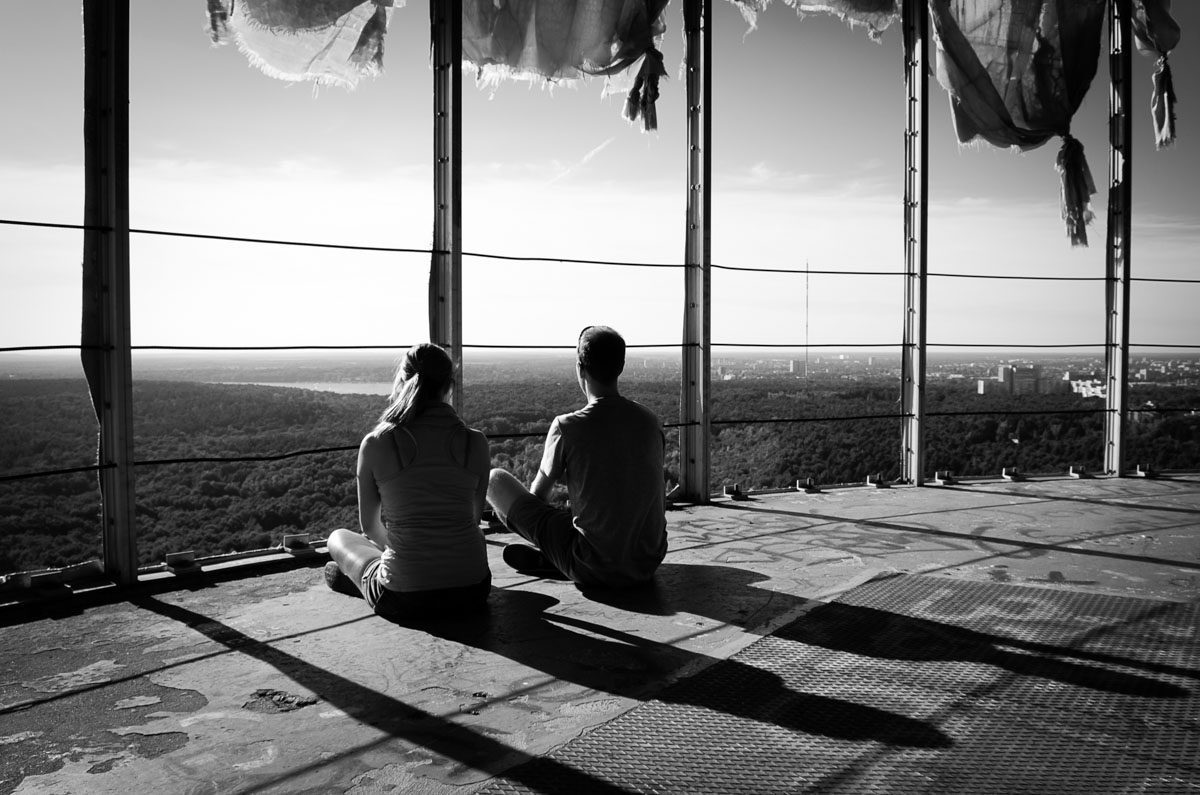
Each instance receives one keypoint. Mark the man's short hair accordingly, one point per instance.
(601, 353)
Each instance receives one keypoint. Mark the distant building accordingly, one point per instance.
(1092, 387)
(991, 386)
(1004, 374)
(1026, 380)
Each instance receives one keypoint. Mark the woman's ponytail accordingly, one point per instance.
(422, 378)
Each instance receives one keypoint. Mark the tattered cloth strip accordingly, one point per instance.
(875, 15)
(1157, 33)
(556, 40)
(1017, 70)
(324, 41)
(338, 41)
(1077, 188)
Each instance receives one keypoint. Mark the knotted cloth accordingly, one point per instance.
(1157, 33)
(1017, 71)
(338, 41)
(557, 40)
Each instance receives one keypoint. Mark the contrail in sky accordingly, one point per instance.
(566, 172)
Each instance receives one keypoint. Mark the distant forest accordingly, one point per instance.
(215, 507)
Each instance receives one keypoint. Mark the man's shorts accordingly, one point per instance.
(431, 603)
(550, 529)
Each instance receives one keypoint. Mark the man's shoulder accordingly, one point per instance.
(607, 410)
(632, 408)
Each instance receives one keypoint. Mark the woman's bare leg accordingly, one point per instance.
(352, 552)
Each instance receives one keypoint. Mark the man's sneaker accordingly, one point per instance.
(338, 581)
(530, 560)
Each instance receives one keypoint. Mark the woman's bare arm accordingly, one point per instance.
(370, 519)
(479, 462)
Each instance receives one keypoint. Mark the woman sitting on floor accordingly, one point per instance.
(422, 477)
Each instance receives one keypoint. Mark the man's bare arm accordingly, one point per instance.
(542, 484)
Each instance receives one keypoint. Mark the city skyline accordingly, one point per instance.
(219, 148)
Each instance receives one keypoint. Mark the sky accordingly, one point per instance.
(808, 119)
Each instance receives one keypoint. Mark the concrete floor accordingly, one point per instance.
(266, 681)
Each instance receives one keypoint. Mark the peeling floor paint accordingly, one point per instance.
(152, 697)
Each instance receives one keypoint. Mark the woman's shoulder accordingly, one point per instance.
(378, 437)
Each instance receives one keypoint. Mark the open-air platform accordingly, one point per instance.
(1037, 636)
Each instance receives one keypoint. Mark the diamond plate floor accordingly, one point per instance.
(918, 684)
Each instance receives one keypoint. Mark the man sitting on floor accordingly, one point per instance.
(611, 454)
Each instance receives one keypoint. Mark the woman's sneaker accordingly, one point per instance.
(530, 560)
(338, 581)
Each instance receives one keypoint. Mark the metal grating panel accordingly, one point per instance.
(918, 684)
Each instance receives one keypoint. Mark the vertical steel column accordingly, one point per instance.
(916, 217)
(445, 273)
(1117, 262)
(106, 272)
(697, 315)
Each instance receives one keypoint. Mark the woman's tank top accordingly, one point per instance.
(433, 538)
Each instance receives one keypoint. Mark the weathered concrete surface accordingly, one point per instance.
(273, 683)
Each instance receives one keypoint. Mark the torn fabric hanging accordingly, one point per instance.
(1157, 33)
(556, 40)
(328, 42)
(1017, 70)
(875, 15)
(338, 41)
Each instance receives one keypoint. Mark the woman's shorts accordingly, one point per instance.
(429, 603)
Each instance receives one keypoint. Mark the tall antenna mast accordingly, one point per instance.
(806, 318)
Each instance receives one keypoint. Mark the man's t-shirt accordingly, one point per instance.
(610, 456)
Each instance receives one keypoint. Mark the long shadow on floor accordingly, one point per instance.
(729, 595)
(604, 659)
(389, 715)
(1023, 544)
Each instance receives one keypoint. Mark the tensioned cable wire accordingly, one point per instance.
(299, 453)
(280, 242)
(345, 246)
(515, 258)
(266, 347)
(618, 263)
(49, 225)
(21, 348)
(1006, 276)
(1010, 345)
(779, 421)
(743, 269)
(51, 472)
(567, 347)
(805, 345)
(357, 347)
(541, 433)
(392, 249)
(1006, 412)
(1020, 278)
(403, 250)
(244, 459)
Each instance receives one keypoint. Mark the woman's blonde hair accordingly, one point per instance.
(422, 378)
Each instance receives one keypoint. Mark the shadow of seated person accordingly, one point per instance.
(519, 627)
(870, 632)
(722, 593)
(729, 595)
